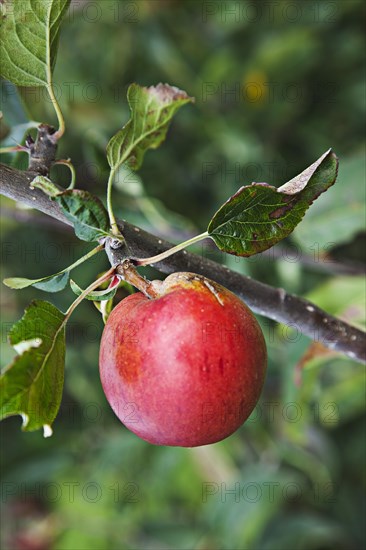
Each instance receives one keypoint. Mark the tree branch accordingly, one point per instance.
(263, 299)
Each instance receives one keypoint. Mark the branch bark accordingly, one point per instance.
(274, 303)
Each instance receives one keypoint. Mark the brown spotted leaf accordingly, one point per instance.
(259, 215)
(152, 110)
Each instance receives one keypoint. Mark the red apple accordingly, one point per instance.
(185, 368)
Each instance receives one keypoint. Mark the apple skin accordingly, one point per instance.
(186, 368)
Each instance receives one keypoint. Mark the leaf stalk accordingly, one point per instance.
(105, 277)
(167, 253)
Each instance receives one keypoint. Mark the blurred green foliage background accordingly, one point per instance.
(276, 84)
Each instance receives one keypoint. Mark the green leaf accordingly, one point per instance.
(51, 283)
(86, 212)
(258, 216)
(54, 283)
(97, 295)
(29, 33)
(32, 385)
(151, 112)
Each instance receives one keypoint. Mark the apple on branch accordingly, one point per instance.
(186, 367)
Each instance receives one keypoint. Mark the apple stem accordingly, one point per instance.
(130, 274)
(167, 253)
(105, 277)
